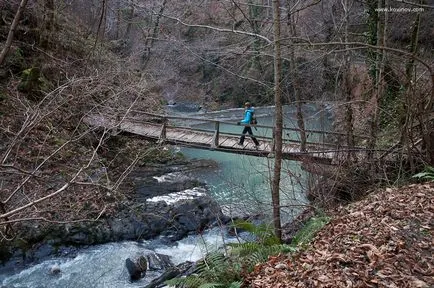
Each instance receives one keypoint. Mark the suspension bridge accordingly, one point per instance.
(169, 129)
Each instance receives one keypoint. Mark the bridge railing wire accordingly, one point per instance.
(187, 123)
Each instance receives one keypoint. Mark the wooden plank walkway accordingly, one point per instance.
(211, 140)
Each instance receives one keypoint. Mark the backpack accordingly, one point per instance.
(253, 120)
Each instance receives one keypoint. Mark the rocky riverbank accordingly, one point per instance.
(165, 202)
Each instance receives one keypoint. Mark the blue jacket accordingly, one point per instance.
(248, 113)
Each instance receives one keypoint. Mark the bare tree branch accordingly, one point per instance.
(12, 29)
(221, 29)
(415, 4)
(54, 221)
(13, 168)
(58, 191)
(304, 7)
(40, 165)
(361, 45)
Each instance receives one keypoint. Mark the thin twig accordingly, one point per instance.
(55, 221)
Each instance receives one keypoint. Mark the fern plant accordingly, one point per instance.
(427, 174)
(264, 233)
(306, 234)
(219, 270)
(215, 270)
(251, 254)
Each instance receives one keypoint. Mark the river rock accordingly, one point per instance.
(136, 268)
(55, 269)
(158, 261)
(136, 221)
(138, 265)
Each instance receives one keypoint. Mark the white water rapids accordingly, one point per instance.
(103, 266)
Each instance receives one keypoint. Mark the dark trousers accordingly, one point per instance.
(248, 129)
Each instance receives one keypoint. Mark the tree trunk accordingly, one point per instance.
(409, 102)
(378, 87)
(275, 189)
(48, 24)
(254, 14)
(129, 22)
(150, 40)
(12, 31)
(295, 81)
(102, 21)
(347, 87)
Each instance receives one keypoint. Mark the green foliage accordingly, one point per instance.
(33, 83)
(263, 232)
(266, 244)
(211, 285)
(236, 284)
(191, 281)
(427, 174)
(255, 253)
(391, 106)
(218, 270)
(215, 270)
(306, 234)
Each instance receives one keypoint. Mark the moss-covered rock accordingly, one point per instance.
(33, 83)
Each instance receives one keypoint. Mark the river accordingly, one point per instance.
(241, 185)
(242, 182)
(103, 266)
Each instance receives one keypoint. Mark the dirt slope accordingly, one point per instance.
(385, 240)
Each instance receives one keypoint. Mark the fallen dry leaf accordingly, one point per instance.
(385, 240)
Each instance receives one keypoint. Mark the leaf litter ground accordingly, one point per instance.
(385, 240)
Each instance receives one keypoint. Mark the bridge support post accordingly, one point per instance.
(273, 143)
(117, 125)
(163, 131)
(272, 146)
(215, 139)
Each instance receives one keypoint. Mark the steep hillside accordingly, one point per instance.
(53, 167)
(385, 240)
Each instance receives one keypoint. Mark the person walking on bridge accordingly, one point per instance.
(248, 117)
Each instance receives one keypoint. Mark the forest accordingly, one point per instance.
(370, 62)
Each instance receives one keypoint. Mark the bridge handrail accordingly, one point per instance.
(208, 131)
(164, 116)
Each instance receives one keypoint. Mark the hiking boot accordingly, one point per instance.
(240, 144)
(257, 147)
